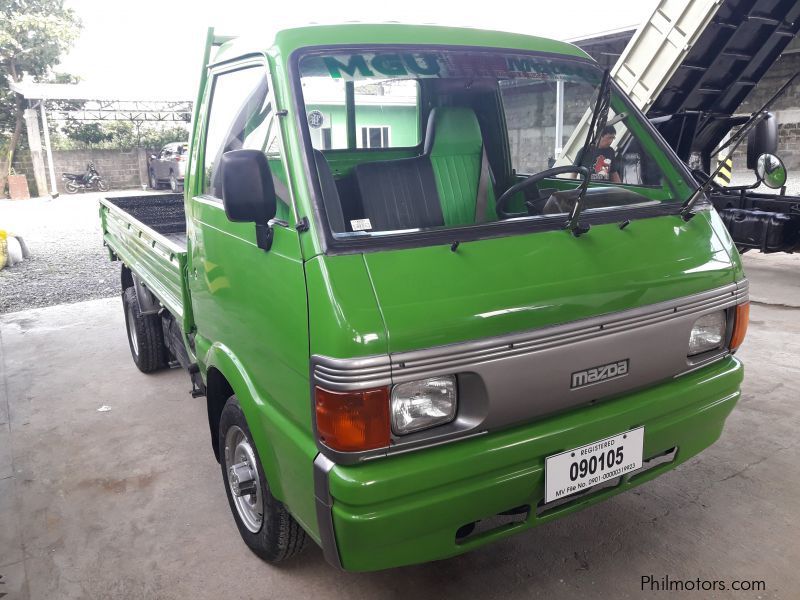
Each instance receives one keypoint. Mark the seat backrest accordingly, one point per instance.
(399, 194)
(454, 143)
(330, 195)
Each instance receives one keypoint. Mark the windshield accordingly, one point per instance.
(408, 141)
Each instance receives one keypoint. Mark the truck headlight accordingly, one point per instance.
(421, 404)
(708, 333)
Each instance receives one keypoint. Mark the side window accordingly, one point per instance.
(375, 137)
(241, 116)
(386, 111)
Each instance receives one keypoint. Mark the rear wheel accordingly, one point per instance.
(145, 336)
(71, 187)
(263, 522)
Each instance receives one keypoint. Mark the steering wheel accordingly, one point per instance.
(532, 180)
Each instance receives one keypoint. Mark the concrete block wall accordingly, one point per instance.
(121, 169)
(532, 147)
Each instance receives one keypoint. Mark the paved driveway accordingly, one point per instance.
(128, 502)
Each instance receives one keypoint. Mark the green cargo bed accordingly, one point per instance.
(148, 234)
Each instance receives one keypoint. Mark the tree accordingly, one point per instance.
(33, 36)
(90, 134)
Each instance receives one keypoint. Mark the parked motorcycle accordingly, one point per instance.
(90, 180)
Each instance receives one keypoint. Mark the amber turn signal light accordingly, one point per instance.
(740, 325)
(353, 421)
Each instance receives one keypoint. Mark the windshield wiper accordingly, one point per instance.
(593, 135)
(732, 143)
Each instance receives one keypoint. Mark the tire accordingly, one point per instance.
(71, 187)
(145, 336)
(154, 185)
(173, 183)
(276, 536)
(102, 185)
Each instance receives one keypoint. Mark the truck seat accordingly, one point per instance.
(399, 194)
(437, 188)
(454, 143)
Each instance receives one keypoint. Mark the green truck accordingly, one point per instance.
(413, 333)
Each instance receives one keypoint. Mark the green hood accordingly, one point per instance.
(433, 296)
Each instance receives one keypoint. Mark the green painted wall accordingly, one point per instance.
(401, 120)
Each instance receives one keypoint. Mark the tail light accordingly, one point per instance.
(740, 325)
(353, 421)
(179, 158)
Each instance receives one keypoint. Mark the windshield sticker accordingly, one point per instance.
(360, 225)
(382, 65)
(420, 65)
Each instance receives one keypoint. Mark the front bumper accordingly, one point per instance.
(407, 509)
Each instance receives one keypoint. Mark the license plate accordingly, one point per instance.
(581, 468)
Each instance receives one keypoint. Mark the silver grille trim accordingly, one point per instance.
(375, 371)
(340, 374)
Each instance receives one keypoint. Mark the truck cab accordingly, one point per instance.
(416, 332)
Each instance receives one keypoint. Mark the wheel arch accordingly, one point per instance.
(225, 376)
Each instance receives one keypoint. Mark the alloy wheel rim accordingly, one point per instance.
(239, 458)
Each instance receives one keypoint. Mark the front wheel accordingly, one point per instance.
(71, 187)
(263, 521)
(102, 185)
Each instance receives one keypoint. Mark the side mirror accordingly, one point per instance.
(763, 139)
(771, 171)
(248, 193)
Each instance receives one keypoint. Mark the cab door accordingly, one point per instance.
(251, 303)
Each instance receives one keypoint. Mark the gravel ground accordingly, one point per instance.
(68, 261)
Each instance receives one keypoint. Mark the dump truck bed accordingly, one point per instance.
(148, 234)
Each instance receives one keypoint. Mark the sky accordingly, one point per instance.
(127, 44)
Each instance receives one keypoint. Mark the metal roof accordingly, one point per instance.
(85, 91)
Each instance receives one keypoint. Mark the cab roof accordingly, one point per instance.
(287, 41)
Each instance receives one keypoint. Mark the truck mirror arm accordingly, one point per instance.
(265, 233)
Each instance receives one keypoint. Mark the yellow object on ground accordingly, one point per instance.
(723, 178)
(3, 249)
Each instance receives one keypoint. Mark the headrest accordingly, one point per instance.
(453, 130)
